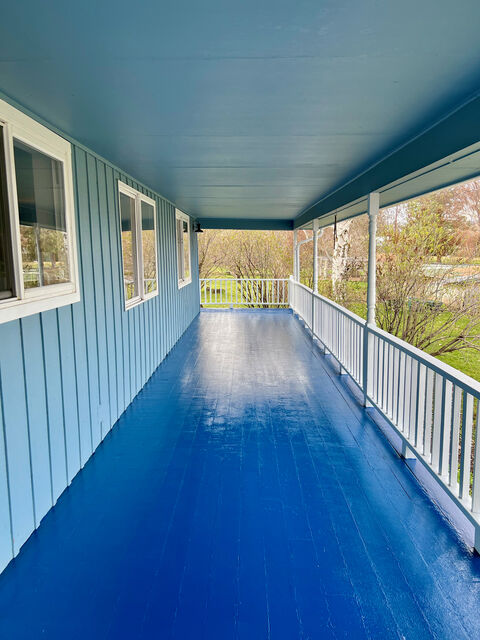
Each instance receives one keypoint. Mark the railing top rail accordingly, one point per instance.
(244, 279)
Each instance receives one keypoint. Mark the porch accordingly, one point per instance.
(243, 494)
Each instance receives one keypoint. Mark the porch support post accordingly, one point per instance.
(315, 255)
(295, 266)
(291, 284)
(373, 207)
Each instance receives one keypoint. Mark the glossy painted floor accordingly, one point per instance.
(245, 495)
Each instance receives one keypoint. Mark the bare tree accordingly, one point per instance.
(211, 252)
(340, 255)
(466, 197)
(434, 306)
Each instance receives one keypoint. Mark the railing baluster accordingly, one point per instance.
(413, 400)
(429, 389)
(446, 428)
(476, 466)
(392, 381)
(388, 370)
(398, 384)
(466, 447)
(455, 439)
(382, 372)
(353, 349)
(437, 420)
(420, 415)
(394, 390)
(354, 330)
(407, 379)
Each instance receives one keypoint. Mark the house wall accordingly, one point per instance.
(67, 375)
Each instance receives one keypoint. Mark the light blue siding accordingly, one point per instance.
(37, 415)
(6, 546)
(66, 375)
(15, 426)
(53, 386)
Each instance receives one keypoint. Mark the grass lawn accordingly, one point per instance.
(467, 361)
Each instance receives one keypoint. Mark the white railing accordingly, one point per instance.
(244, 292)
(434, 408)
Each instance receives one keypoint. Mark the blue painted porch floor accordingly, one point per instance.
(244, 494)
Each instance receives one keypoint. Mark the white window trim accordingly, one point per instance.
(138, 197)
(179, 215)
(26, 302)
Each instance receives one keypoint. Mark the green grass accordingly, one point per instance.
(467, 361)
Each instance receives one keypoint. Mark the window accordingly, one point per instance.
(183, 248)
(38, 262)
(139, 245)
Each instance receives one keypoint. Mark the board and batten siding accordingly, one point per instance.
(68, 374)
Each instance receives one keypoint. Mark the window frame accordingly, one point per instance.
(179, 215)
(17, 125)
(138, 197)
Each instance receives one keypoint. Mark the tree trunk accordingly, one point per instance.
(340, 253)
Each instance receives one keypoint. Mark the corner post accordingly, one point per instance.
(373, 208)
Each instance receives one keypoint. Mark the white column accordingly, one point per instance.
(373, 207)
(295, 266)
(315, 255)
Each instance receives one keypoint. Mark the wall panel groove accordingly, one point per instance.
(6, 523)
(29, 438)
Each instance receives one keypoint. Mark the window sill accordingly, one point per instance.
(183, 283)
(134, 302)
(15, 309)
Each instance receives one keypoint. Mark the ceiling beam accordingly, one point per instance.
(458, 130)
(246, 223)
